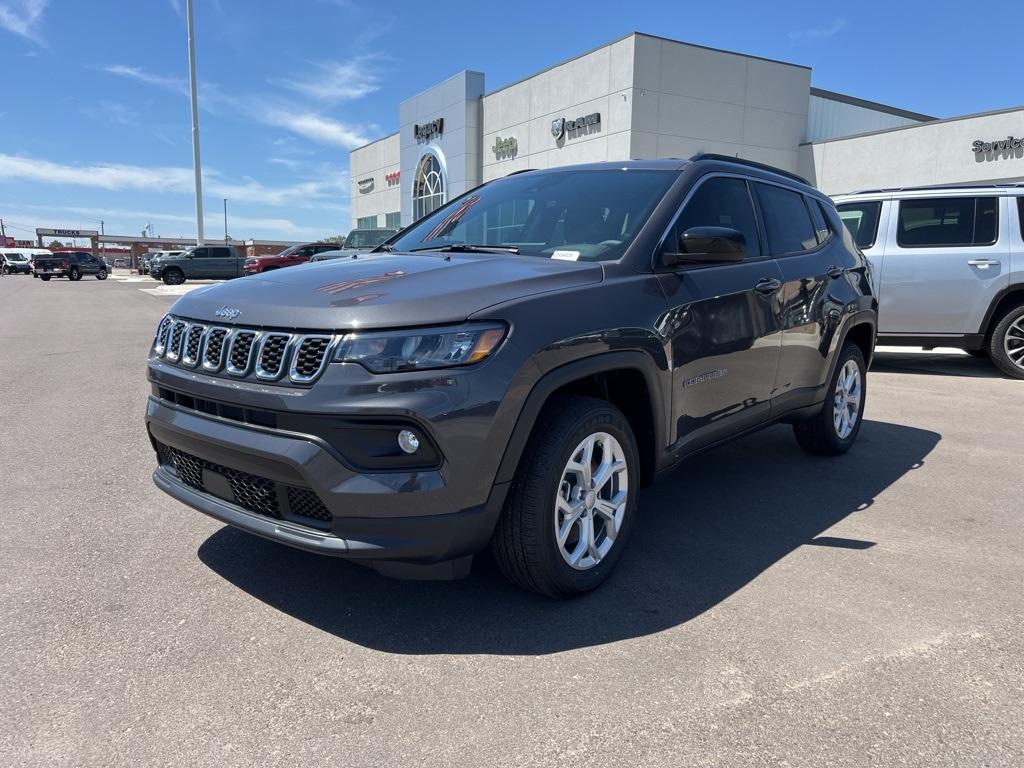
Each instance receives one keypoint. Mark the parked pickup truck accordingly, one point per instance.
(70, 264)
(201, 262)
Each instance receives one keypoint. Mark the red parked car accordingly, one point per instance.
(297, 254)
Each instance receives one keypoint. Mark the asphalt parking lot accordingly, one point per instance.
(772, 609)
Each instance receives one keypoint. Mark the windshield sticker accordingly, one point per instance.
(566, 255)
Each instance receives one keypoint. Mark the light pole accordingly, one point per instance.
(196, 165)
(225, 221)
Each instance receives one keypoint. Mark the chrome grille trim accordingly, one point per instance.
(293, 373)
(267, 374)
(239, 335)
(211, 333)
(193, 360)
(175, 338)
(303, 357)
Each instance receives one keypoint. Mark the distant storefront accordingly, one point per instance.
(646, 97)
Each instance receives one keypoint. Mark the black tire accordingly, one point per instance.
(1007, 338)
(524, 544)
(173, 276)
(74, 275)
(981, 354)
(101, 275)
(820, 435)
(45, 278)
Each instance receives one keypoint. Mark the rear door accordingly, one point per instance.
(722, 321)
(946, 259)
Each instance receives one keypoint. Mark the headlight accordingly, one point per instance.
(390, 351)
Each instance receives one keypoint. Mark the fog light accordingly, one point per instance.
(408, 441)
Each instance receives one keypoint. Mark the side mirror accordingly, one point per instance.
(708, 245)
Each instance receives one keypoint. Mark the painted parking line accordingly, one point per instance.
(179, 290)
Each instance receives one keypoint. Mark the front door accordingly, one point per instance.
(722, 323)
(945, 260)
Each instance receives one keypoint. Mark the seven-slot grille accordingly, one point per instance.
(270, 363)
(244, 352)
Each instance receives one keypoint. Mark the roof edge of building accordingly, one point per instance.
(937, 121)
(868, 104)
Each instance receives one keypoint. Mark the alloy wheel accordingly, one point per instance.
(846, 408)
(590, 503)
(1013, 342)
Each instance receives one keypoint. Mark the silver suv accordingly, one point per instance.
(948, 266)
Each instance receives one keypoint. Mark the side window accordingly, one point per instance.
(720, 202)
(948, 222)
(821, 227)
(220, 253)
(786, 220)
(201, 253)
(861, 219)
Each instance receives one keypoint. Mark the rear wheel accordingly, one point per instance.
(573, 501)
(174, 276)
(45, 278)
(1006, 346)
(836, 427)
(74, 274)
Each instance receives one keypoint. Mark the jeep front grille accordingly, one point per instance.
(268, 356)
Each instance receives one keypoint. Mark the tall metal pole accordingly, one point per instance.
(225, 221)
(196, 165)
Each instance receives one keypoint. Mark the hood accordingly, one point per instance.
(384, 290)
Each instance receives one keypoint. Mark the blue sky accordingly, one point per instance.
(94, 117)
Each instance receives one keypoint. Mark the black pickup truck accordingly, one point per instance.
(70, 264)
(201, 262)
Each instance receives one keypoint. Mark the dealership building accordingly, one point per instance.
(643, 96)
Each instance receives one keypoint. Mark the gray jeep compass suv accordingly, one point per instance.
(510, 370)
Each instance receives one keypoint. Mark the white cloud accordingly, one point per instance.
(818, 33)
(304, 194)
(22, 17)
(309, 125)
(312, 126)
(334, 81)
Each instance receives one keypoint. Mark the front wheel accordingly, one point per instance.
(1006, 346)
(832, 431)
(573, 501)
(45, 278)
(101, 275)
(174, 277)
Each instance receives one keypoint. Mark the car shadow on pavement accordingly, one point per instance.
(705, 531)
(935, 364)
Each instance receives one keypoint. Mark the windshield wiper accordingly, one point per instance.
(468, 248)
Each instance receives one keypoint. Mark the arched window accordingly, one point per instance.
(427, 187)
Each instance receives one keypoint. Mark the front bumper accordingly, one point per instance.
(386, 519)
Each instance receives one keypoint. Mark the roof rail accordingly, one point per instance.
(750, 163)
(930, 187)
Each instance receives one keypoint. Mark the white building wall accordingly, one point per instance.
(829, 118)
(938, 152)
(689, 99)
(375, 162)
(599, 81)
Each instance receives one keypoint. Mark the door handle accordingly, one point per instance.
(983, 263)
(767, 285)
(835, 272)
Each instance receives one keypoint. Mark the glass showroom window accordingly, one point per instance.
(366, 222)
(393, 220)
(427, 187)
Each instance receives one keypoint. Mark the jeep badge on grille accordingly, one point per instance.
(228, 313)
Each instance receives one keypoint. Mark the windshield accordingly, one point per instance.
(367, 238)
(16, 257)
(571, 214)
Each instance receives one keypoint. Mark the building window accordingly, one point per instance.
(427, 187)
(366, 222)
(393, 220)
